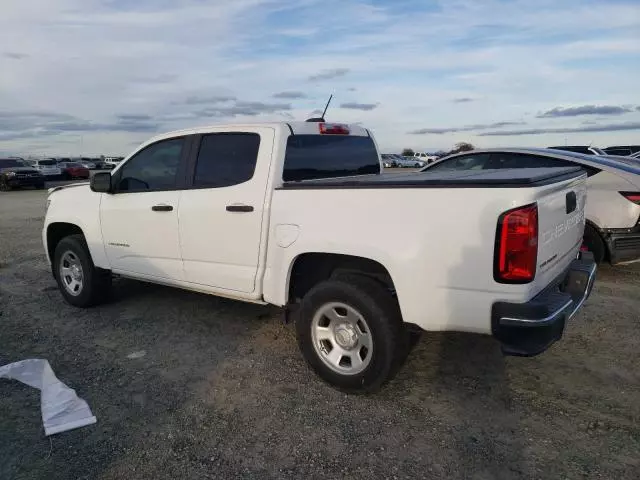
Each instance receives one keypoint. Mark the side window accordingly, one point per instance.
(519, 160)
(226, 159)
(153, 168)
(466, 162)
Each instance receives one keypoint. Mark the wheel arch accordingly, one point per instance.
(309, 268)
(598, 231)
(56, 231)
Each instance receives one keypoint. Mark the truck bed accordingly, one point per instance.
(506, 178)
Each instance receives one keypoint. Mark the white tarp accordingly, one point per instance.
(62, 409)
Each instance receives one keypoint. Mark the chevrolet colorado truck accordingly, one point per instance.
(300, 215)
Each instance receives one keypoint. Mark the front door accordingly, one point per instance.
(221, 213)
(140, 218)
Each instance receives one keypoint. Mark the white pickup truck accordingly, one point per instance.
(298, 215)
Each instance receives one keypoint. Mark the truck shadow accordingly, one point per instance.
(465, 379)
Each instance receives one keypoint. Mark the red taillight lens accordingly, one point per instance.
(632, 197)
(517, 245)
(333, 129)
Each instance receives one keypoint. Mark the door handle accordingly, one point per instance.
(162, 208)
(239, 208)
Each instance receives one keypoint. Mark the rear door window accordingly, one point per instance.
(466, 162)
(226, 159)
(329, 156)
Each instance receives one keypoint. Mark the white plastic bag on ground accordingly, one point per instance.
(62, 409)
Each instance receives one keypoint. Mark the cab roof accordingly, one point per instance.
(296, 128)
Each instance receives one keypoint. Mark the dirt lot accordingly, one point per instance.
(223, 393)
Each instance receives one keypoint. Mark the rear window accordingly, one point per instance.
(329, 156)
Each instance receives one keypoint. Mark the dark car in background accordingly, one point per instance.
(15, 173)
(584, 149)
(623, 150)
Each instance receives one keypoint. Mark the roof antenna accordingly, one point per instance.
(321, 119)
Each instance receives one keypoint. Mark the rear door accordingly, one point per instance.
(221, 212)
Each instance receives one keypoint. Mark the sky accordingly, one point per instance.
(90, 77)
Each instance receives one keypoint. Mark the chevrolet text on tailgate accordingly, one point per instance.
(299, 215)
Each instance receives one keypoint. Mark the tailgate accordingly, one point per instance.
(560, 227)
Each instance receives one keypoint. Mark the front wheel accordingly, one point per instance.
(350, 333)
(79, 281)
(4, 186)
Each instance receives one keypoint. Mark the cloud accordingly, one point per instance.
(33, 124)
(240, 108)
(15, 55)
(329, 74)
(290, 95)
(199, 100)
(611, 127)
(462, 100)
(584, 110)
(173, 60)
(359, 106)
(466, 128)
(133, 117)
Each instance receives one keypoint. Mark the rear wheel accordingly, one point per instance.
(592, 242)
(79, 281)
(351, 334)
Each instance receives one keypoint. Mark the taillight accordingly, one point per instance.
(333, 129)
(632, 197)
(516, 250)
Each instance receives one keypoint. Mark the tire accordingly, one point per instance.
(386, 334)
(95, 283)
(4, 186)
(593, 242)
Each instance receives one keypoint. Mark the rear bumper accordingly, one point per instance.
(527, 329)
(623, 244)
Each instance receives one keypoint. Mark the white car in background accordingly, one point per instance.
(425, 157)
(48, 167)
(612, 230)
(112, 162)
(409, 162)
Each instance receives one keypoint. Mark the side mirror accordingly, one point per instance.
(101, 182)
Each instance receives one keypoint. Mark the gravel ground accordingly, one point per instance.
(221, 391)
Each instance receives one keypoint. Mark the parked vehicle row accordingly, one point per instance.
(612, 230)
(392, 160)
(50, 166)
(299, 215)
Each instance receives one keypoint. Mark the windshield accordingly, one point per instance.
(51, 163)
(328, 156)
(10, 162)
